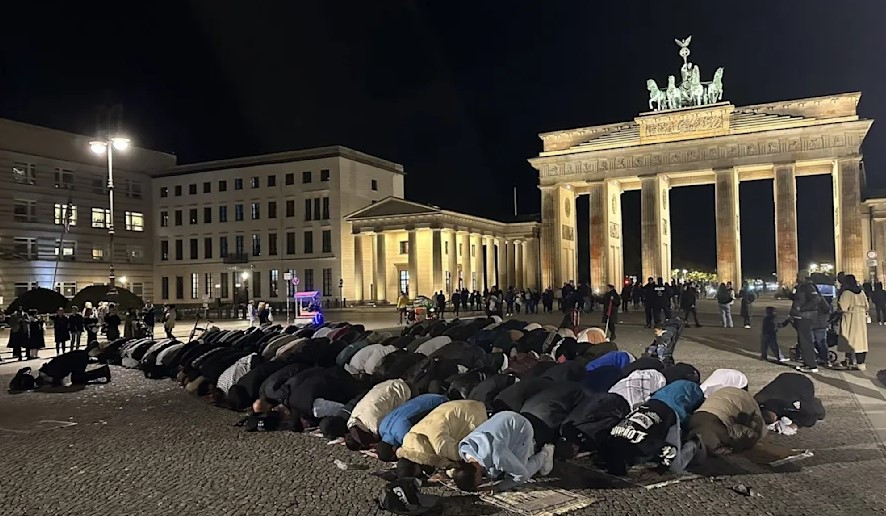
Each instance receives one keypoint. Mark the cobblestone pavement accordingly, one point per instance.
(144, 447)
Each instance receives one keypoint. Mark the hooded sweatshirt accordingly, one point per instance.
(503, 445)
(433, 441)
(724, 378)
(682, 396)
(639, 386)
(378, 403)
(394, 427)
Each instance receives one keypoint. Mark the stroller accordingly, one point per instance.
(665, 342)
(796, 352)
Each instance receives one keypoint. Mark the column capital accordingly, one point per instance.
(725, 170)
(784, 164)
(849, 159)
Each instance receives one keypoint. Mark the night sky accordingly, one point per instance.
(455, 91)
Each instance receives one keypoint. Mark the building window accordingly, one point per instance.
(138, 289)
(306, 177)
(134, 221)
(272, 180)
(327, 241)
(309, 279)
(135, 254)
(374, 185)
(254, 182)
(178, 190)
(309, 242)
(207, 215)
(179, 249)
(324, 175)
(223, 247)
(326, 208)
(290, 208)
(25, 247)
(178, 217)
(195, 285)
(65, 214)
(256, 210)
(164, 250)
(192, 189)
(64, 178)
(327, 282)
(179, 287)
(164, 287)
(100, 186)
(21, 288)
(101, 217)
(404, 281)
(207, 248)
(24, 173)
(307, 209)
(290, 242)
(207, 284)
(207, 187)
(222, 213)
(98, 253)
(192, 247)
(225, 285)
(256, 245)
(274, 283)
(67, 248)
(238, 184)
(238, 212)
(67, 288)
(24, 211)
(192, 216)
(164, 190)
(272, 209)
(316, 208)
(289, 179)
(222, 186)
(164, 219)
(132, 189)
(238, 244)
(404, 247)
(272, 244)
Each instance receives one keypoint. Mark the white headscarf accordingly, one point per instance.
(724, 378)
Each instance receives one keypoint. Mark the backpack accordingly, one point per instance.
(23, 380)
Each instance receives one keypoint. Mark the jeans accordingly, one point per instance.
(75, 339)
(60, 347)
(820, 338)
(806, 342)
(881, 312)
(726, 315)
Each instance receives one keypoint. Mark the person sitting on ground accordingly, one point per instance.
(394, 426)
(790, 395)
(371, 409)
(433, 441)
(665, 341)
(73, 364)
(729, 417)
(724, 378)
(501, 448)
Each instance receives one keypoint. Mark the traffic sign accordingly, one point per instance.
(872, 262)
(872, 254)
(287, 276)
(295, 281)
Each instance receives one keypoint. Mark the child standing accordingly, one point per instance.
(769, 341)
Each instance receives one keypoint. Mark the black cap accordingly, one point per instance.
(404, 497)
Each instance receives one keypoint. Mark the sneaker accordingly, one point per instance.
(747, 326)
(548, 466)
(807, 370)
(861, 367)
(784, 359)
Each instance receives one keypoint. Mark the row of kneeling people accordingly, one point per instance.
(480, 399)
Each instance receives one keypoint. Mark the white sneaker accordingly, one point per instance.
(861, 367)
(747, 326)
(548, 466)
(784, 359)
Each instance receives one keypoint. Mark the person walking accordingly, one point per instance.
(456, 301)
(724, 300)
(748, 297)
(649, 300)
(769, 338)
(18, 332)
(853, 324)
(149, 316)
(75, 324)
(688, 300)
(402, 303)
(611, 300)
(61, 330)
(169, 317)
(91, 325)
(878, 297)
(626, 296)
(440, 300)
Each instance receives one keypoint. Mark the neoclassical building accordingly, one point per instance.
(401, 245)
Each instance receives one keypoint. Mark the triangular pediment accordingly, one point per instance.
(392, 207)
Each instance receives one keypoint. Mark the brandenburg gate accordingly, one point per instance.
(690, 136)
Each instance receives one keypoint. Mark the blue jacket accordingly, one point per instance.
(617, 359)
(399, 421)
(601, 374)
(682, 396)
(503, 445)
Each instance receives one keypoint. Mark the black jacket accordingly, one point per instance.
(792, 395)
(65, 364)
(332, 383)
(589, 422)
(553, 403)
(487, 390)
(246, 389)
(62, 328)
(272, 387)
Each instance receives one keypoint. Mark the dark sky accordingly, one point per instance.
(456, 91)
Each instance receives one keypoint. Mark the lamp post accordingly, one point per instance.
(107, 146)
(341, 284)
(245, 277)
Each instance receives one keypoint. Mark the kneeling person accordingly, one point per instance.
(729, 417)
(73, 364)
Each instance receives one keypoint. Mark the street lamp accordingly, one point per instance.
(341, 284)
(108, 146)
(245, 276)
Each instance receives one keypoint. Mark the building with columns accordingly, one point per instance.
(401, 245)
(718, 144)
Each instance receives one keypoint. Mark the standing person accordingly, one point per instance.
(548, 300)
(636, 294)
(441, 303)
(611, 300)
(112, 323)
(402, 303)
(91, 325)
(649, 300)
(129, 319)
(61, 330)
(150, 318)
(75, 324)
(456, 301)
(662, 301)
(263, 314)
(820, 326)
(724, 300)
(509, 302)
(35, 340)
(804, 311)
(169, 317)
(688, 300)
(626, 296)
(769, 339)
(748, 297)
(879, 299)
(18, 332)
(853, 324)
(250, 312)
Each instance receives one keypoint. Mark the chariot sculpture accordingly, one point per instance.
(691, 92)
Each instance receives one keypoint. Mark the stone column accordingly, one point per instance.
(558, 235)
(437, 260)
(549, 237)
(605, 234)
(373, 261)
(466, 260)
(479, 265)
(358, 268)
(848, 238)
(381, 266)
(787, 262)
(452, 266)
(519, 275)
(412, 263)
(507, 263)
(655, 220)
(530, 247)
(728, 227)
(490, 262)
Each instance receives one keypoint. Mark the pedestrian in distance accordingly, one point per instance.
(724, 301)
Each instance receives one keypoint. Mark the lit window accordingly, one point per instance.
(135, 221)
(101, 217)
(135, 254)
(254, 182)
(24, 173)
(98, 254)
(67, 248)
(195, 286)
(67, 288)
(66, 213)
(256, 211)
